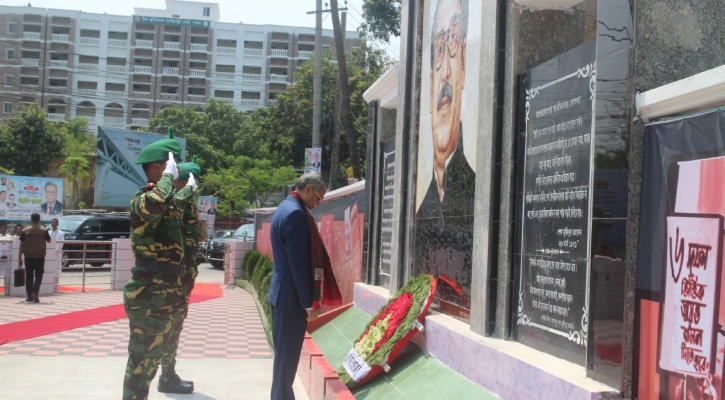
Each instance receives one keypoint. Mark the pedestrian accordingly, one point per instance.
(18, 230)
(32, 245)
(301, 278)
(57, 234)
(3, 229)
(169, 380)
(154, 294)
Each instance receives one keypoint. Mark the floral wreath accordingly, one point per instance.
(388, 333)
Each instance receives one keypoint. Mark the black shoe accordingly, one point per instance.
(175, 387)
(178, 379)
(35, 298)
(29, 299)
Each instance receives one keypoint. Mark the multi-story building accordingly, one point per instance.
(120, 70)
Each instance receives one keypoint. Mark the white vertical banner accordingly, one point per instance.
(313, 159)
(691, 292)
(206, 206)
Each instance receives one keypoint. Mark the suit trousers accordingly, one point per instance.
(34, 268)
(288, 333)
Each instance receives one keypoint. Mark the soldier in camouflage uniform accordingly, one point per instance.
(169, 380)
(154, 294)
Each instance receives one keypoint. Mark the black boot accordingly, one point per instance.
(174, 387)
(170, 382)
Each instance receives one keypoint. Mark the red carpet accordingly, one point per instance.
(33, 328)
(73, 289)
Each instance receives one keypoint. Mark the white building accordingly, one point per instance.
(120, 70)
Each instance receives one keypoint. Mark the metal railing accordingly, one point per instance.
(198, 47)
(144, 43)
(90, 41)
(59, 37)
(253, 52)
(82, 253)
(118, 42)
(201, 73)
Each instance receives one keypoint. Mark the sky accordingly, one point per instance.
(272, 12)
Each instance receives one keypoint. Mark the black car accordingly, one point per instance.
(217, 246)
(92, 227)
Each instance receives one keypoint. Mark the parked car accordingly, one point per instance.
(217, 246)
(91, 227)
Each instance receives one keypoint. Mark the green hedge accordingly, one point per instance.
(264, 267)
(263, 293)
(249, 262)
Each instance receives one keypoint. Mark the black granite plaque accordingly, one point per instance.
(386, 221)
(558, 119)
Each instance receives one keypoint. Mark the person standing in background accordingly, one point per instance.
(32, 245)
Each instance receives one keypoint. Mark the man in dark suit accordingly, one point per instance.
(291, 288)
(212, 209)
(51, 206)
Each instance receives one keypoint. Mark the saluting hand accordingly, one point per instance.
(191, 182)
(171, 167)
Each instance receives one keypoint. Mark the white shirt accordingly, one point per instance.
(57, 235)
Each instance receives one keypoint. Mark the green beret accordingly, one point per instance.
(189, 167)
(159, 151)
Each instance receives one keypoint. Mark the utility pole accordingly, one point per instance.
(317, 91)
(337, 124)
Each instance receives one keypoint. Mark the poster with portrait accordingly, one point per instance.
(206, 206)
(446, 157)
(118, 176)
(680, 340)
(313, 159)
(20, 196)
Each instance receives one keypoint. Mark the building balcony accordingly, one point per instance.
(251, 78)
(140, 121)
(117, 43)
(90, 67)
(87, 92)
(279, 53)
(170, 71)
(117, 68)
(145, 44)
(197, 73)
(198, 47)
(253, 52)
(115, 94)
(58, 63)
(59, 37)
(30, 62)
(90, 120)
(250, 103)
(31, 35)
(278, 78)
(172, 45)
(56, 117)
(140, 69)
(226, 50)
(116, 121)
(90, 41)
(305, 54)
(226, 76)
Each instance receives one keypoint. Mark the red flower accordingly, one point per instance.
(399, 309)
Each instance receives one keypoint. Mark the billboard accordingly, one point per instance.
(118, 176)
(21, 196)
(313, 157)
(206, 207)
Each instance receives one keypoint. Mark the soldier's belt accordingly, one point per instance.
(165, 268)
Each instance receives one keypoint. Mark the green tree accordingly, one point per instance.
(381, 19)
(77, 142)
(75, 169)
(28, 142)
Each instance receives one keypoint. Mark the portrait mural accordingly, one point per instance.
(446, 161)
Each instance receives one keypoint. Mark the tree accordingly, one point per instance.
(75, 168)
(352, 136)
(381, 19)
(28, 142)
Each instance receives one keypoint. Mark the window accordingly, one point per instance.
(9, 80)
(9, 54)
(206, 11)
(11, 27)
(7, 108)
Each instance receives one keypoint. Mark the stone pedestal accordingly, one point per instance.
(123, 262)
(233, 257)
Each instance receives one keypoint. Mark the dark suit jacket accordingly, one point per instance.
(211, 211)
(57, 208)
(291, 285)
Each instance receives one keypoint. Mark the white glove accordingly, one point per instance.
(171, 167)
(191, 182)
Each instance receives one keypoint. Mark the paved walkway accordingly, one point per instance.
(223, 350)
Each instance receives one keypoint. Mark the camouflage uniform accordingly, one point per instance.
(153, 299)
(190, 222)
